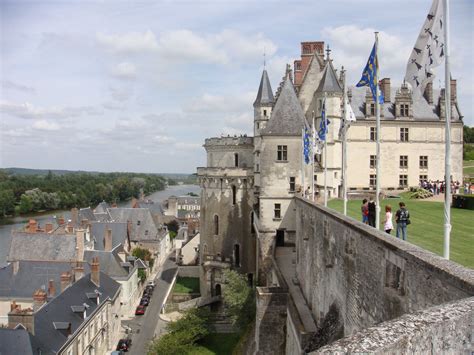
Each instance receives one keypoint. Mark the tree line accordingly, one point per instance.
(21, 194)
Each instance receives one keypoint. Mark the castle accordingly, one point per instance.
(251, 205)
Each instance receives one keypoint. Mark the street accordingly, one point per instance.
(143, 327)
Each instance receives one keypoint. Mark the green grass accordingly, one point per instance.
(186, 285)
(217, 344)
(426, 229)
(468, 168)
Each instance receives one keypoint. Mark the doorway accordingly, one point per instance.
(280, 238)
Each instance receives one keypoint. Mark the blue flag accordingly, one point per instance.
(323, 128)
(369, 75)
(307, 142)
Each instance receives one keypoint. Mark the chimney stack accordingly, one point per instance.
(48, 227)
(134, 202)
(66, 279)
(428, 94)
(114, 205)
(51, 289)
(39, 299)
(108, 240)
(78, 271)
(385, 85)
(24, 317)
(80, 244)
(32, 226)
(74, 216)
(84, 222)
(95, 271)
(70, 228)
(60, 221)
(453, 90)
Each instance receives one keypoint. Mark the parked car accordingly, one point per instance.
(148, 292)
(140, 310)
(124, 344)
(151, 283)
(144, 302)
(149, 288)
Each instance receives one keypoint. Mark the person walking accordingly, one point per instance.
(364, 209)
(388, 224)
(372, 211)
(402, 217)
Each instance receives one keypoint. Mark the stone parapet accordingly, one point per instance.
(228, 141)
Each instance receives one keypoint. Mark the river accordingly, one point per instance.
(19, 221)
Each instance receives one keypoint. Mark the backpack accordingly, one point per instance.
(404, 216)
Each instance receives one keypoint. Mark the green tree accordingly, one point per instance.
(7, 202)
(239, 298)
(144, 254)
(141, 275)
(26, 205)
(468, 134)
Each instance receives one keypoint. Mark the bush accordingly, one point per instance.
(239, 298)
(419, 193)
(141, 275)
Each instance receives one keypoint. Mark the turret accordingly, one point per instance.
(263, 104)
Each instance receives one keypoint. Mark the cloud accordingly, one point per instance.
(10, 85)
(125, 70)
(29, 111)
(218, 104)
(45, 125)
(121, 94)
(132, 42)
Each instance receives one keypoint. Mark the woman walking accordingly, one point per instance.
(388, 224)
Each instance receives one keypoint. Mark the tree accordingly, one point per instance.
(7, 202)
(144, 254)
(141, 275)
(26, 205)
(239, 298)
(173, 226)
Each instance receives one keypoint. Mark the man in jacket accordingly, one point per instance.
(402, 218)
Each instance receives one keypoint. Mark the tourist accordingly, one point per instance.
(372, 212)
(307, 193)
(402, 217)
(388, 225)
(364, 209)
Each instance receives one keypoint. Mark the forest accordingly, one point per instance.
(21, 194)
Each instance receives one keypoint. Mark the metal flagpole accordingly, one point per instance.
(344, 144)
(325, 152)
(377, 149)
(313, 189)
(302, 161)
(447, 158)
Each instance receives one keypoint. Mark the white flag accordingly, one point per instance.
(428, 52)
(349, 115)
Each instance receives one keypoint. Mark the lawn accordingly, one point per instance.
(186, 285)
(426, 229)
(217, 344)
(468, 168)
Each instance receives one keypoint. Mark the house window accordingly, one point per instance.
(234, 194)
(277, 211)
(236, 160)
(372, 161)
(423, 162)
(372, 180)
(403, 180)
(265, 113)
(404, 110)
(403, 161)
(373, 134)
(372, 109)
(423, 178)
(282, 153)
(404, 134)
(292, 184)
(216, 224)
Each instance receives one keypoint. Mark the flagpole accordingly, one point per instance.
(344, 144)
(302, 161)
(377, 149)
(312, 164)
(325, 152)
(447, 158)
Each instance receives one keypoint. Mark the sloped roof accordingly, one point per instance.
(108, 261)
(86, 213)
(101, 207)
(98, 230)
(154, 207)
(329, 81)
(287, 116)
(265, 94)
(15, 341)
(143, 226)
(42, 247)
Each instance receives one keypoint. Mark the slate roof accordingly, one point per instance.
(31, 275)
(102, 207)
(49, 339)
(15, 342)
(265, 94)
(42, 246)
(287, 116)
(189, 200)
(329, 81)
(98, 231)
(108, 261)
(151, 205)
(143, 226)
(86, 213)
(422, 110)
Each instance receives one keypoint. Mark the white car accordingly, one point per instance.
(151, 283)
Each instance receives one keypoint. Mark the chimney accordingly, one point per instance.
(385, 85)
(48, 227)
(51, 289)
(39, 299)
(70, 228)
(78, 271)
(32, 226)
(428, 94)
(16, 266)
(134, 202)
(114, 205)
(84, 222)
(108, 240)
(453, 90)
(60, 221)
(95, 271)
(80, 244)
(74, 216)
(66, 279)
(24, 317)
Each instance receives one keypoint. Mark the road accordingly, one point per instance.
(143, 327)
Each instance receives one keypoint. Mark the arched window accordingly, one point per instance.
(234, 194)
(216, 224)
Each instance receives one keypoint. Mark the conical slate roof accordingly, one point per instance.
(329, 82)
(287, 116)
(265, 94)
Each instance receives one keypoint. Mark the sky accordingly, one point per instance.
(138, 85)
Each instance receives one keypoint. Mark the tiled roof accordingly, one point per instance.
(143, 226)
(98, 231)
(329, 81)
(42, 246)
(108, 261)
(15, 342)
(102, 207)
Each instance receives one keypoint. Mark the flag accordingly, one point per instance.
(370, 74)
(349, 117)
(428, 52)
(307, 142)
(323, 129)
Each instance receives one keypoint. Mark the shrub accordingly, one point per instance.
(420, 193)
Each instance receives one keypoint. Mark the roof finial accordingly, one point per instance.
(328, 51)
(264, 59)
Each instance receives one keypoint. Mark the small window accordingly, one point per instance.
(403, 161)
(265, 113)
(373, 161)
(257, 167)
(423, 178)
(237, 255)
(138, 223)
(282, 153)
(146, 232)
(403, 180)
(234, 194)
(423, 162)
(236, 160)
(277, 211)
(372, 109)
(258, 125)
(216, 224)
(373, 134)
(372, 180)
(335, 175)
(404, 134)
(292, 184)
(404, 110)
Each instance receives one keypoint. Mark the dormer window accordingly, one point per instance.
(372, 109)
(404, 110)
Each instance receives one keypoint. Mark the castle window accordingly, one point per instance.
(237, 255)
(423, 162)
(236, 160)
(265, 113)
(292, 184)
(257, 168)
(216, 224)
(258, 125)
(404, 110)
(138, 223)
(403, 180)
(234, 194)
(372, 162)
(404, 134)
(373, 134)
(277, 211)
(423, 178)
(282, 153)
(372, 109)
(403, 161)
(372, 180)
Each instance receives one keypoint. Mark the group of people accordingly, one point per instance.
(437, 187)
(402, 217)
